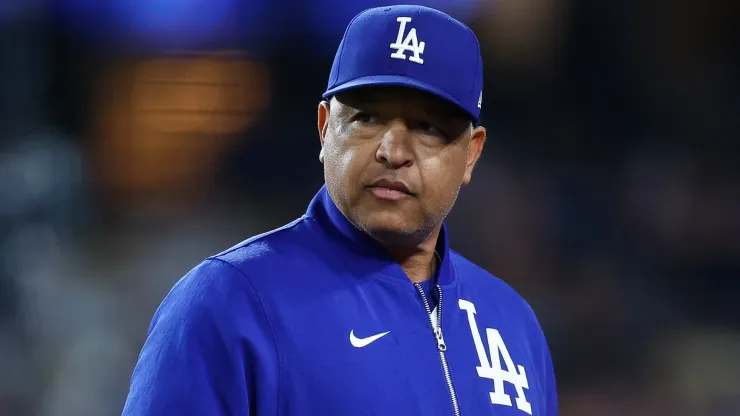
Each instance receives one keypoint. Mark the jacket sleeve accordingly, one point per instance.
(209, 350)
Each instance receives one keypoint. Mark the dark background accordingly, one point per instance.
(138, 138)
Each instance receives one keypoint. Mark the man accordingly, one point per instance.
(360, 307)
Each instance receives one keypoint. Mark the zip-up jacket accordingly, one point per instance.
(315, 318)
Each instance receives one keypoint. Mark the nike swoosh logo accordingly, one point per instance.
(362, 342)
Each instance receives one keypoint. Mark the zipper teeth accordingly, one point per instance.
(442, 356)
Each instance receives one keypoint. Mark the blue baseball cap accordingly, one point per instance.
(411, 46)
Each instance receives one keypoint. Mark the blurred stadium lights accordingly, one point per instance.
(165, 122)
(214, 93)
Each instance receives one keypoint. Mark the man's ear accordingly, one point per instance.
(323, 125)
(475, 148)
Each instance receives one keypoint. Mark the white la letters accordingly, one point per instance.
(491, 369)
(411, 43)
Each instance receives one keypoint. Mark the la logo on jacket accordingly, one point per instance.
(491, 368)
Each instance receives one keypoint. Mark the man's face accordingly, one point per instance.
(395, 159)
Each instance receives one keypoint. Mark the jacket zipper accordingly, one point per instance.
(441, 346)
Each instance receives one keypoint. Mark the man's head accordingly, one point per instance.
(399, 124)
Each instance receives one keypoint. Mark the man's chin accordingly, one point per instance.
(395, 233)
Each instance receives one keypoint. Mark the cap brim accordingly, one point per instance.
(401, 81)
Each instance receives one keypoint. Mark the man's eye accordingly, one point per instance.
(366, 118)
(427, 128)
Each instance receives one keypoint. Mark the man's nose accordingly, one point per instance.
(395, 146)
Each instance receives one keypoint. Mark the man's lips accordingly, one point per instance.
(390, 190)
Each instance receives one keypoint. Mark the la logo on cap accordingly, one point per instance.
(411, 43)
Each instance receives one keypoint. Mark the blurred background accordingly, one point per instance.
(139, 137)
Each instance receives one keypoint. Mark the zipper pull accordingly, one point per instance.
(440, 340)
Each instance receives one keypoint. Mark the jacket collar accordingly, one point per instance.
(364, 250)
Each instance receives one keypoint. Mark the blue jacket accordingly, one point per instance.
(316, 319)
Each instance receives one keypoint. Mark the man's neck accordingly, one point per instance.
(419, 262)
